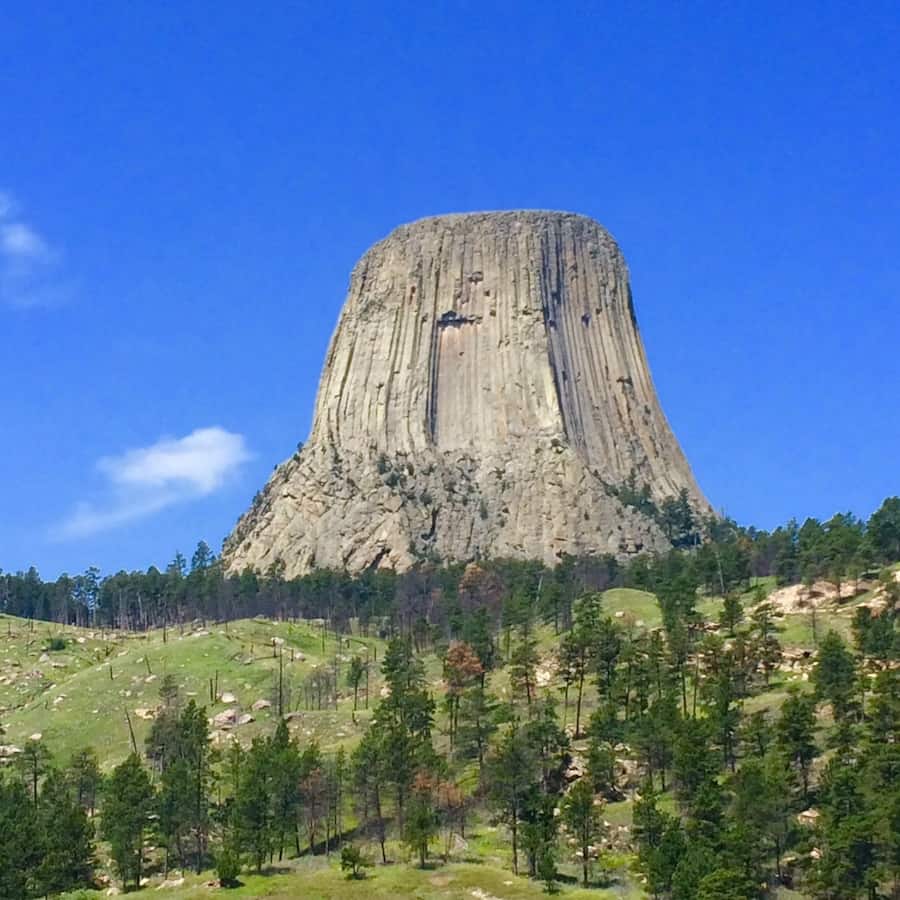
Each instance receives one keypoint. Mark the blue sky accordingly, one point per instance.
(184, 189)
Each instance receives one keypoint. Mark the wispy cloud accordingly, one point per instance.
(19, 241)
(146, 480)
(29, 266)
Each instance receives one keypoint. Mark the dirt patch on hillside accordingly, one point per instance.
(798, 598)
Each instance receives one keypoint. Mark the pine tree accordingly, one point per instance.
(834, 675)
(512, 772)
(252, 806)
(732, 612)
(421, 823)
(369, 774)
(726, 884)
(796, 734)
(126, 812)
(523, 663)
(582, 818)
(355, 674)
(285, 786)
(462, 671)
(404, 719)
(174, 810)
(67, 845)
(539, 828)
(20, 840)
(85, 778)
(33, 762)
(477, 722)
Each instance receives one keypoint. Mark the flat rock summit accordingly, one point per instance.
(484, 395)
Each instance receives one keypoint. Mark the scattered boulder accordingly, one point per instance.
(261, 704)
(225, 719)
(244, 719)
(228, 697)
(575, 770)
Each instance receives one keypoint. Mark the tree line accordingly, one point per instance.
(714, 554)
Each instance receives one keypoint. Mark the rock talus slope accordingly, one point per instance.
(484, 389)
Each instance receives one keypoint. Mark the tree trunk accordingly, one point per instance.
(578, 703)
(514, 828)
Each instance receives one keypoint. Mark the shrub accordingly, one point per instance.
(353, 862)
(228, 867)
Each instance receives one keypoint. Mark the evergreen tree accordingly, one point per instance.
(67, 839)
(20, 840)
(421, 822)
(883, 531)
(369, 764)
(796, 734)
(355, 674)
(732, 612)
(404, 719)
(582, 818)
(523, 663)
(660, 841)
(85, 778)
(726, 884)
(286, 774)
(463, 670)
(477, 722)
(539, 828)
(127, 806)
(834, 675)
(174, 805)
(252, 807)
(33, 762)
(512, 773)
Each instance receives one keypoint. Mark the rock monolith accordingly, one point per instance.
(485, 395)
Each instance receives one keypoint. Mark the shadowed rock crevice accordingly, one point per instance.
(491, 363)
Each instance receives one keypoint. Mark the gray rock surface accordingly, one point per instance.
(484, 388)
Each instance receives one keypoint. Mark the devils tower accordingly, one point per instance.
(484, 395)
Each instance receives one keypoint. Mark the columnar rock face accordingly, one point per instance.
(484, 395)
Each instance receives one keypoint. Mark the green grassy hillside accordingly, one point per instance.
(85, 694)
(79, 688)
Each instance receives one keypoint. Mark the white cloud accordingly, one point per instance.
(20, 241)
(29, 266)
(146, 480)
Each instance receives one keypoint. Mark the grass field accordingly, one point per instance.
(79, 696)
(321, 879)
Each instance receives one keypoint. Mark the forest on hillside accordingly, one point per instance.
(551, 713)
